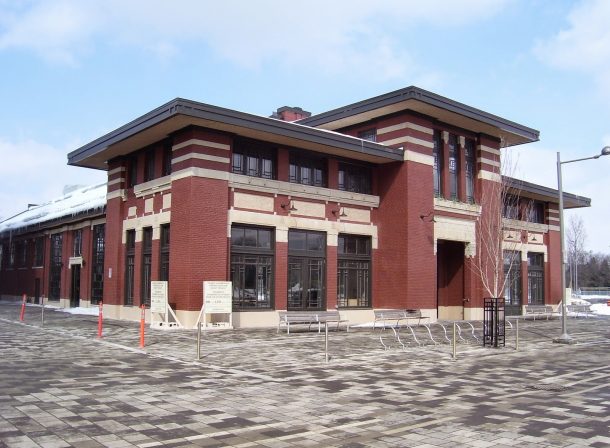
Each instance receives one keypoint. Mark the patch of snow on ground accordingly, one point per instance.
(601, 309)
(91, 311)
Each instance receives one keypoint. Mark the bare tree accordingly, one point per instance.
(576, 236)
(497, 248)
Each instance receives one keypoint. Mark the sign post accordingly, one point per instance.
(217, 299)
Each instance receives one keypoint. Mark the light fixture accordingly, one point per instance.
(428, 216)
(340, 212)
(565, 338)
(290, 206)
(534, 238)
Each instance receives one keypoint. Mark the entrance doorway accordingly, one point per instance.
(306, 269)
(75, 292)
(450, 280)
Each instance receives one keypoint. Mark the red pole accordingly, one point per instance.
(22, 315)
(142, 322)
(99, 322)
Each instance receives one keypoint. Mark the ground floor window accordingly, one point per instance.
(535, 279)
(130, 264)
(97, 266)
(146, 265)
(512, 275)
(252, 260)
(354, 271)
(306, 270)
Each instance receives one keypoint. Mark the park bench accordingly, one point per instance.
(541, 311)
(584, 310)
(310, 318)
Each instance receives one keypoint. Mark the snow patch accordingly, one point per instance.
(91, 311)
(601, 309)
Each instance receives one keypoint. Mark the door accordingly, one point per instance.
(75, 292)
(37, 291)
(450, 280)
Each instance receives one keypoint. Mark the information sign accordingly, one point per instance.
(217, 297)
(158, 297)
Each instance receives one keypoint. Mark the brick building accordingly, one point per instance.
(382, 203)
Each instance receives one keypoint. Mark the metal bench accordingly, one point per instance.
(584, 310)
(545, 311)
(309, 318)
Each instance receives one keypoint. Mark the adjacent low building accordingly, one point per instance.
(391, 202)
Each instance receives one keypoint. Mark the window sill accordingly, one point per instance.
(461, 208)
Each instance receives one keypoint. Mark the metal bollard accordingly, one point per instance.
(100, 320)
(517, 335)
(42, 311)
(142, 324)
(198, 341)
(454, 343)
(326, 341)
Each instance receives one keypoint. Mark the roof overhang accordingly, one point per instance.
(429, 104)
(180, 113)
(546, 194)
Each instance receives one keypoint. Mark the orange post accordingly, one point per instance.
(608, 303)
(142, 322)
(22, 315)
(100, 320)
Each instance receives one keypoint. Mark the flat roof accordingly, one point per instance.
(428, 103)
(546, 194)
(180, 113)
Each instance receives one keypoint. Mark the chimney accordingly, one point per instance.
(288, 113)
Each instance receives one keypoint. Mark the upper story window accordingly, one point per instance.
(253, 159)
(469, 156)
(23, 253)
(355, 178)
(167, 158)
(132, 172)
(368, 134)
(437, 152)
(307, 169)
(536, 212)
(39, 251)
(454, 166)
(510, 207)
(11, 255)
(149, 165)
(77, 243)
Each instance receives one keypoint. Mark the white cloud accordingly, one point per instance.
(337, 37)
(37, 173)
(584, 46)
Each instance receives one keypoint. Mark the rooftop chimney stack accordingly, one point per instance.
(288, 113)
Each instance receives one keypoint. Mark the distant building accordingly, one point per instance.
(378, 204)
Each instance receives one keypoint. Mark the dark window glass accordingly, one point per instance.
(97, 266)
(39, 251)
(510, 207)
(77, 243)
(167, 158)
(164, 256)
(470, 167)
(56, 265)
(536, 212)
(354, 271)
(368, 134)
(355, 178)
(306, 270)
(438, 163)
(132, 174)
(130, 253)
(146, 265)
(1, 256)
(454, 166)
(149, 165)
(535, 279)
(307, 169)
(253, 159)
(23, 254)
(252, 267)
(11, 255)
(512, 274)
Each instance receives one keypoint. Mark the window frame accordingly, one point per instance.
(355, 178)
(149, 165)
(130, 254)
(469, 169)
(369, 134)
(298, 161)
(344, 260)
(146, 267)
(246, 151)
(97, 262)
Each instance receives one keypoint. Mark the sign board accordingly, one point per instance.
(217, 297)
(158, 297)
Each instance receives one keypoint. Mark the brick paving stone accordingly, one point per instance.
(61, 386)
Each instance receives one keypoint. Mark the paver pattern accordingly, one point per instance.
(61, 387)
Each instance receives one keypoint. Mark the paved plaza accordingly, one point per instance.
(60, 386)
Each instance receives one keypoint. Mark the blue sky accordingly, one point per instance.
(73, 70)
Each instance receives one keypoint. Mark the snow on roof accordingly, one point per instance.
(73, 203)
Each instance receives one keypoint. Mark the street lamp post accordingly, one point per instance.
(565, 338)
